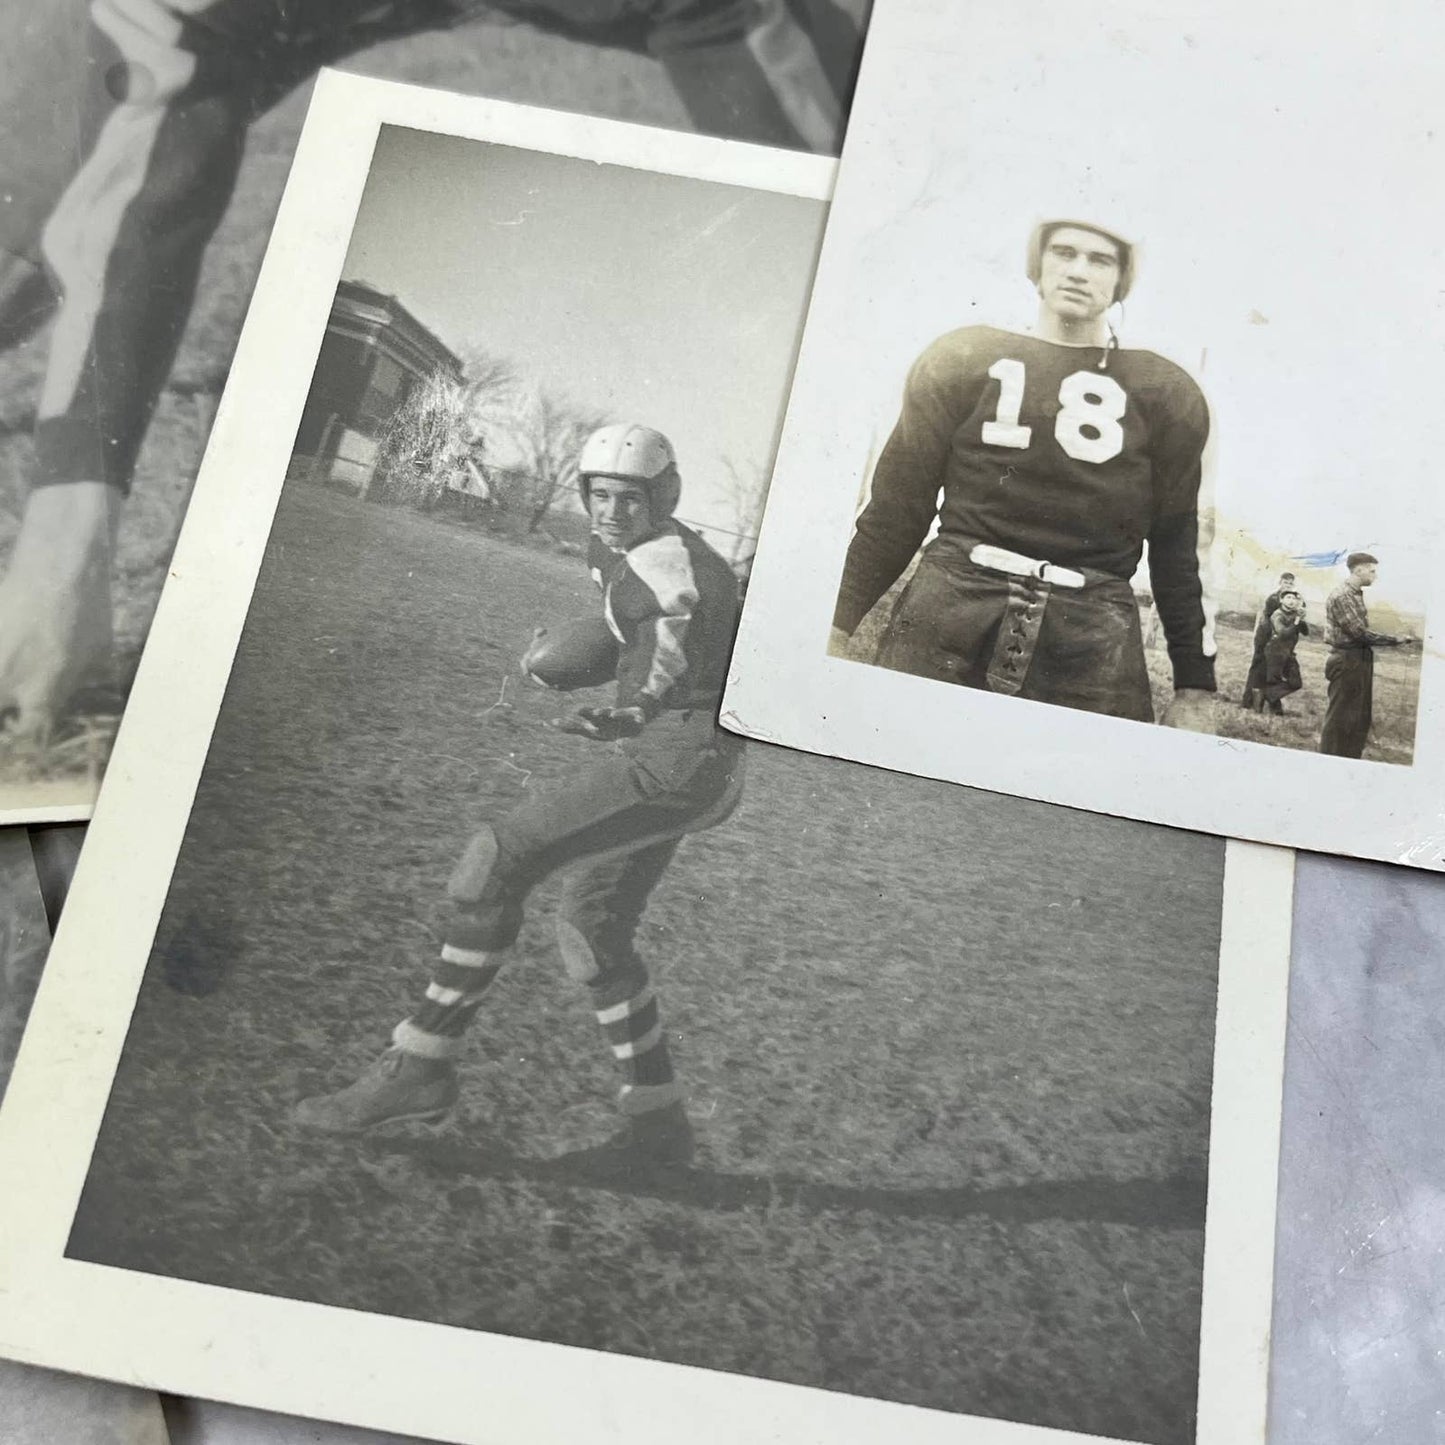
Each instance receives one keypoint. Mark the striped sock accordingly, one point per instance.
(458, 985)
(633, 1030)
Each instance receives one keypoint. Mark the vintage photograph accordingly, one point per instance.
(1088, 430)
(481, 1012)
(145, 149)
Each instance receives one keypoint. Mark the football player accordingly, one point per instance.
(111, 236)
(671, 603)
(1059, 456)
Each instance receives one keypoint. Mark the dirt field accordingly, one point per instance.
(954, 1101)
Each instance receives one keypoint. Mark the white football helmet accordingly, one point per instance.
(1128, 249)
(636, 454)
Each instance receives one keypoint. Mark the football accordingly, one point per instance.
(571, 655)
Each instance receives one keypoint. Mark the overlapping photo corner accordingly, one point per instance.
(1088, 490)
(947, 1101)
(40, 1405)
(121, 174)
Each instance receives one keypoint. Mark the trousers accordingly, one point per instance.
(1350, 674)
(1081, 648)
(614, 828)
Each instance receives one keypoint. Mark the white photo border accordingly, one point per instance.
(46, 802)
(403, 1375)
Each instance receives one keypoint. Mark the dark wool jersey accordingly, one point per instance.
(672, 603)
(1035, 449)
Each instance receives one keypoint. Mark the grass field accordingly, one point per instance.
(950, 1052)
(1397, 693)
(1397, 687)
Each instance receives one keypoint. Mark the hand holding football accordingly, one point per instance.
(576, 654)
(602, 724)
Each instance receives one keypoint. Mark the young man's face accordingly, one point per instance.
(1292, 602)
(621, 513)
(1078, 273)
(1364, 573)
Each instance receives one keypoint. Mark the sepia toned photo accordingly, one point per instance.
(1066, 443)
(1089, 432)
(481, 1014)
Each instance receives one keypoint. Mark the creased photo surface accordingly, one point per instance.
(1103, 481)
(480, 1013)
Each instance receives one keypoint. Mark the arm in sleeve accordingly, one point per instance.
(1350, 622)
(903, 497)
(655, 660)
(1180, 538)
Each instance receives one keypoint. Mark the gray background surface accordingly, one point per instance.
(1360, 1265)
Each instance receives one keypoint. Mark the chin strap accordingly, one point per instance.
(1111, 341)
(1110, 344)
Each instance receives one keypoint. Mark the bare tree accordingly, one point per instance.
(433, 434)
(558, 431)
(746, 489)
(528, 441)
(422, 445)
(520, 439)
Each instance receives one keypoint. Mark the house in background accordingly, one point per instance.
(374, 354)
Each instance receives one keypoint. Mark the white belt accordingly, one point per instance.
(999, 559)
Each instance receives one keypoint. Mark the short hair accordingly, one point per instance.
(1357, 559)
(1286, 576)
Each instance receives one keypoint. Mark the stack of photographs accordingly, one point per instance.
(492, 1007)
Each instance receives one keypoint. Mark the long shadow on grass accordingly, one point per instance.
(1173, 1203)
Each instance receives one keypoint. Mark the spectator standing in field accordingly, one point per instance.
(112, 193)
(1254, 682)
(1350, 669)
(671, 602)
(1281, 677)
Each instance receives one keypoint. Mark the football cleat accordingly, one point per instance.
(397, 1088)
(660, 1139)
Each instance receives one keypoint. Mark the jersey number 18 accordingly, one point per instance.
(1087, 426)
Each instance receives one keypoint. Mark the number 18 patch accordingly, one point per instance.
(1087, 427)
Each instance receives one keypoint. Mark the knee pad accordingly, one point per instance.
(474, 868)
(611, 973)
(579, 957)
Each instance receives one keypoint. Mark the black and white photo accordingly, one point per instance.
(145, 145)
(489, 1044)
(1098, 367)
